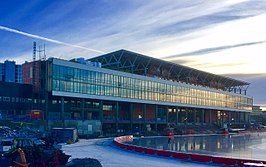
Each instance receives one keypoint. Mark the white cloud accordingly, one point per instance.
(139, 30)
(230, 33)
(246, 59)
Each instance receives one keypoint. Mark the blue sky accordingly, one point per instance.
(225, 38)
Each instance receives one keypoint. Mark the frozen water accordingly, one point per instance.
(111, 156)
(249, 146)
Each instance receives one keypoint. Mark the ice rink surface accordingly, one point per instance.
(248, 146)
(111, 156)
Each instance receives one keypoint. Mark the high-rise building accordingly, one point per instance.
(1, 71)
(10, 67)
(10, 72)
(18, 74)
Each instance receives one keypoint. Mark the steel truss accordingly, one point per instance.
(123, 60)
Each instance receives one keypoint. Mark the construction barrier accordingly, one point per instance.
(139, 149)
(130, 147)
(224, 161)
(150, 151)
(119, 141)
(183, 156)
(164, 153)
(123, 146)
(200, 158)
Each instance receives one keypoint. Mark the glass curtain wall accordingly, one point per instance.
(75, 80)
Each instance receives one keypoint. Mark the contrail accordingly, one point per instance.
(212, 50)
(46, 39)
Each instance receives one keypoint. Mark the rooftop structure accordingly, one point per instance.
(123, 60)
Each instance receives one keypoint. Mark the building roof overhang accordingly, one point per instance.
(131, 62)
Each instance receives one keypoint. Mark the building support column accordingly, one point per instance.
(62, 112)
(202, 120)
(222, 119)
(156, 114)
(186, 121)
(232, 117)
(194, 115)
(210, 117)
(248, 115)
(167, 111)
(101, 114)
(144, 115)
(131, 116)
(229, 118)
(46, 107)
(83, 109)
(238, 117)
(244, 119)
(62, 108)
(177, 114)
(101, 111)
(217, 120)
(116, 115)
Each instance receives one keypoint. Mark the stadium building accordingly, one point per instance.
(124, 90)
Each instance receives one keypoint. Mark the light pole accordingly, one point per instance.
(140, 117)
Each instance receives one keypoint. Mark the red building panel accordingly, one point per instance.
(27, 74)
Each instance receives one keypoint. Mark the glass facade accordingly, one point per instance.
(92, 82)
(18, 74)
(10, 71)
(1, 71)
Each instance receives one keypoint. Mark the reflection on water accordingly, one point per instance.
(225, 145)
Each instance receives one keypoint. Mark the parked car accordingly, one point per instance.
(6, 144)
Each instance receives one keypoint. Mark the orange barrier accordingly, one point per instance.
(150, 151)
(23, 159)
(164, 153)
(128, 138)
